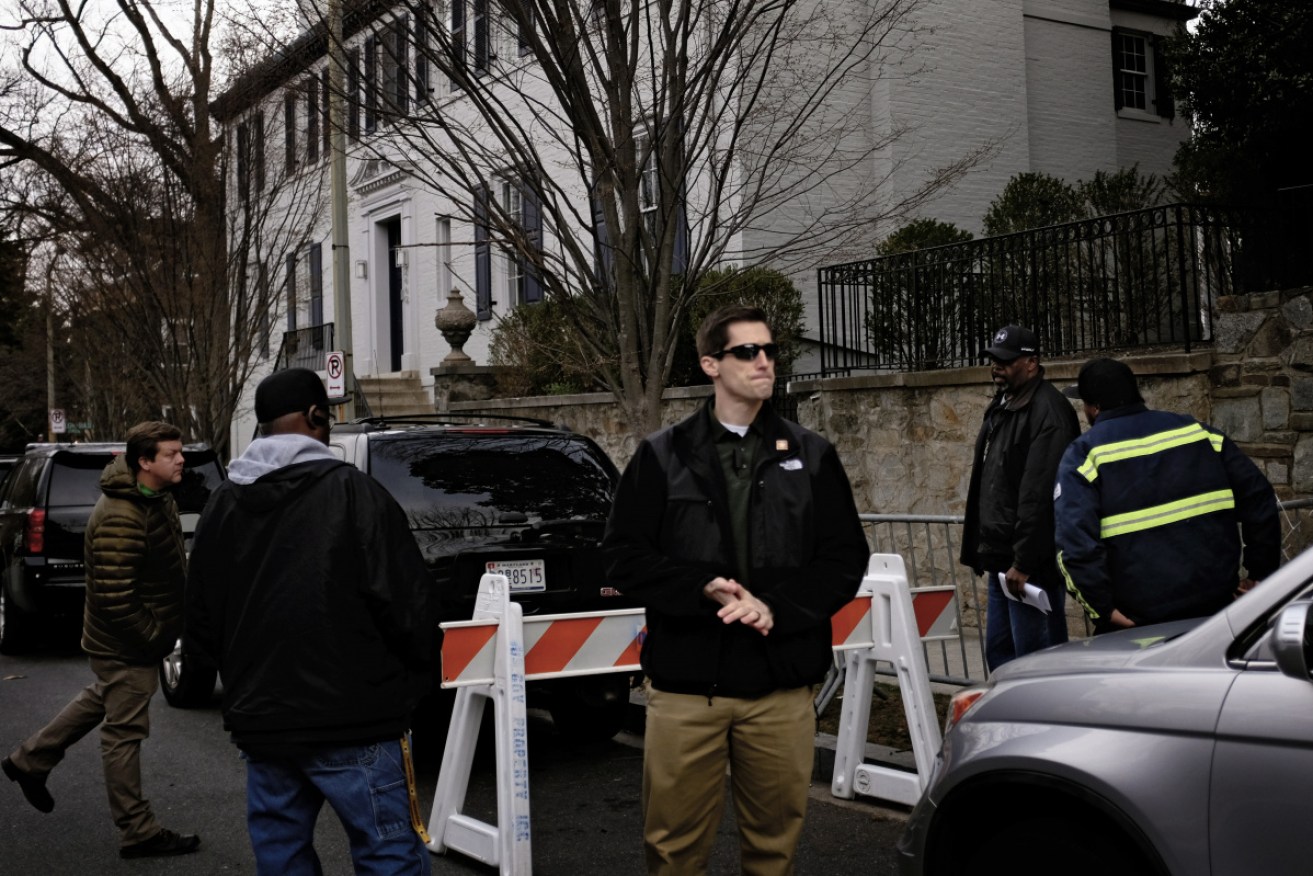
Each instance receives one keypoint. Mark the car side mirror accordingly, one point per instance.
(1291, 636)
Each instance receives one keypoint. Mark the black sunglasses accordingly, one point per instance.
(748, 352)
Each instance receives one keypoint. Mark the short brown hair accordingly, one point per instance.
(144, 440)
(713, 334)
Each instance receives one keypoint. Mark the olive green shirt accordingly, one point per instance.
(738, 460)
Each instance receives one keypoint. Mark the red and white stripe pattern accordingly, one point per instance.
(554, 645)
(591, 644)
(934, 607)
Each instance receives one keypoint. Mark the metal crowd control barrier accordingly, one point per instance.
(490, 659)
(929, 544)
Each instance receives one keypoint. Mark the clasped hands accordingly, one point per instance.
(739, 605)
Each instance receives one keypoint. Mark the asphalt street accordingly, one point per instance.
(584, 801)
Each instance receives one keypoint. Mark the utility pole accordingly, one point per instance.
(341, 245)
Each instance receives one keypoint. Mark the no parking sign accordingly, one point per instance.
(336, 368)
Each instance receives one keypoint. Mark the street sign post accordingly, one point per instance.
(58, 425)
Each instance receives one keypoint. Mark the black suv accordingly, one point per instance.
(516, 496)
(45, 503)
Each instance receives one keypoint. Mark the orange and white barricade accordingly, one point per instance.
(490, 658)
(898, 620)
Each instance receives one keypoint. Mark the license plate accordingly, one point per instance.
(525, 576)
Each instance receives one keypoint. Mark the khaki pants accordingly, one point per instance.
(767, 744)
(120, 698)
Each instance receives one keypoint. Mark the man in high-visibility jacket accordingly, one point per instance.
(1151, 507)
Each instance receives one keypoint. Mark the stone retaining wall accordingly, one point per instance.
(907, 438)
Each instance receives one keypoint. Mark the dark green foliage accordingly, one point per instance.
(1033, 200)
(13, 270)
(1245, 80)
(540, 348)
(757, 286)
(917, 302)
(922, 234)
(1120, 191)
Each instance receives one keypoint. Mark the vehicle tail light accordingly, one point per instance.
(960, 704)
(34, 531)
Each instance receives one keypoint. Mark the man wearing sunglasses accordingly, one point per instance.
(738, 533)
(1008, 534)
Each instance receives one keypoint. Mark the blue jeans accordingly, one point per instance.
(1013, 629)
(365, 785)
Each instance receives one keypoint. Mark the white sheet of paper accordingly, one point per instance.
(1031, 595)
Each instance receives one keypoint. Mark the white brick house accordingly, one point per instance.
(1067, 87)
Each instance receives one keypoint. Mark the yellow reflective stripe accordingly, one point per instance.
(1161, 515)
(1075, 591)
(1145, 446)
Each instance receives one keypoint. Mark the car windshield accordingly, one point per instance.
(464, 479)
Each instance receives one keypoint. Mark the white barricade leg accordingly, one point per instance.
(858, 687)
(454, 774)
(506, 844)
(897, 641)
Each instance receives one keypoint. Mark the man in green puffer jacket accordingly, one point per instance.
(135, 571)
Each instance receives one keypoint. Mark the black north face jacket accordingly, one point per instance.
(670, 533)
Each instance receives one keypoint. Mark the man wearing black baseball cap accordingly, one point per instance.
(309, 593)
(1009, 515)
(1152, 507)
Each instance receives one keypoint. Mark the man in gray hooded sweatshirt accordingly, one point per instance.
(309, 593)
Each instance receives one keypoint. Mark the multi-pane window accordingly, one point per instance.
(396, 83)
(649, 188)
(513, 210)
(470, 36)
(1133, 70)
(1139, 74)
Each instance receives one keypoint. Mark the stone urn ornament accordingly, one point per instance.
(456, 322)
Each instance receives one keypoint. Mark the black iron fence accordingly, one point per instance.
(306, 348)
(1131, 280)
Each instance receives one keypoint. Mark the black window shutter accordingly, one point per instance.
(532, 219)
(353, 95)
(291, 292)
(259, 150)
(289, 130)
(421, 59)
(482, 254)
(1162, 80)
(457, 38)
(604, 252)
(316, 284)
(480, 37)
(1117, 68)
(371, 84)
(403, 64)
(328, 133)
(311, 119)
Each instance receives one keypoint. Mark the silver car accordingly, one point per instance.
(1183, 748)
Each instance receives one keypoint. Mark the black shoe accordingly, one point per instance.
(33, 787)
(166, 842)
